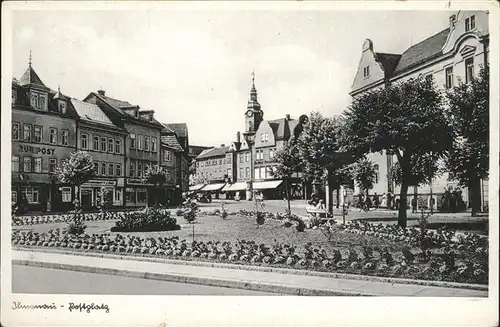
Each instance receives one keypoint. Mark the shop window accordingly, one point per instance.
(132, 141)
(53, 135)
(141, 195)
(15, 131)
(103, 144)
(111, 145)
(15, 163)
(27, 132)
(52, 165)
(64, 137)
(32, 194)
(130, 195)
(95, 145)
(27, 164)
(118, 195)
(66, 194)
(38, 165)
(118, 146)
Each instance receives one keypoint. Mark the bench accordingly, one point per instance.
(323, 214)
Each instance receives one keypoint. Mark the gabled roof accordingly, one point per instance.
(281, 127)
(170, 141)
(388, 60)
(31, 77)
(180, 129)
(215, 152)
(90, 112)
(422, 51)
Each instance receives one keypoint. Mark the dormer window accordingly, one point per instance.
(39, 101)
(366, 71)
(62, 106)
(470, 23)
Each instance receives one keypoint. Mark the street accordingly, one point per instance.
(35, 280)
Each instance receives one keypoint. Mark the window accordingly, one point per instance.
(62, 106)
(469, 69)
(64, 137)
(111, 169)
(263, 172)
(27, 164)
(111, 145)
(118, 146)
(39, 101)
(103, 168)
(132, 141)
(153, 144)
(167, 156)
(66, 194)
(27, 132)
(31, 194)
(266, 137)
(96, 167)
(84, 139)
(470, 23)
(52, 165)
(449, 77)
(247, 172)
(247, 157)
(13, 196)
(241, 157)
(53, 135)
(38, 165)
(95, 144)
(15, 131)
(241, 172)
(256, 173)
(139, 169)
(262, 137)
(15, 163)
(118, 170)
(118, 195)
(14, 96)
(146, 143)
(271, 153)
(229, 172)
(140, 142)
(169, 175)
(103, 144)
(220, 161)
(141, 195)
(366, 71)
(132, 169)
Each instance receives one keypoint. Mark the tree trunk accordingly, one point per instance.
(287, 190)
(475, 195)
(403, 199)
(330, 191)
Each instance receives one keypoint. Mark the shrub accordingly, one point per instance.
(191, 210)
(153, 219)
(76, 226)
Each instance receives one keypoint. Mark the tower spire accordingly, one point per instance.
(253, 78)
(30, 58)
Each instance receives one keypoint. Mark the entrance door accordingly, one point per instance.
(86, 196)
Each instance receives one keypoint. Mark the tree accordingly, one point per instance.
(363, 173)
(77, 170)
(157, 176)
(287, 163)
(405, 119)
(320, 152)
(468, 114)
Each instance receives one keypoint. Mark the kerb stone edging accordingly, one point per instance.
(150, 258)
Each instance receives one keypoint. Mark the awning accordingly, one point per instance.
(239, 186)
(213, 187)
(196, 187)
(266, 185)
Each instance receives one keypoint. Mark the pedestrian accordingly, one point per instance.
(376, 202)
(390, 198)
(383, 204)
(413, 205)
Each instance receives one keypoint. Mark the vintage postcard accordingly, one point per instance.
(250, 163)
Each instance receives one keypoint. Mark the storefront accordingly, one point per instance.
(95, 193)
(270, 189)
(137, 192)
(236, 190)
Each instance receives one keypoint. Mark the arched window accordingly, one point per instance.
(376, 173)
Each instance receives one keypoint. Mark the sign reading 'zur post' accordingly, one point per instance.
(36, 149)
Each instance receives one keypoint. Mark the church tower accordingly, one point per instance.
(253, 115)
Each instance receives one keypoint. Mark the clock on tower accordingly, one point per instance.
(253, 115)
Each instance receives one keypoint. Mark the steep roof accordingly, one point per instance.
(215, 152)
(281, 127)
(180, 129)
(388, 60)
(422, 51)
(31, 77)
(90, 112)
(171, 142)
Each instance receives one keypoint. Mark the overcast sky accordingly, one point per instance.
(195, 67)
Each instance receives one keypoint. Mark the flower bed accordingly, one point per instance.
(150, 220)
(61, 218)
(469, 264)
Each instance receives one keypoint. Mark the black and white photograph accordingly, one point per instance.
(250, 153)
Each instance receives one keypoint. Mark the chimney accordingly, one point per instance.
(287, 116)
(222, 145)
(238, 137)
(453, 19)
(101, 92)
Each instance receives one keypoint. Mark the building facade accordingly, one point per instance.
(456, 53)
(43, 135)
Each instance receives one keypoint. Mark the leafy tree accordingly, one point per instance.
(468, 113)
(406, 119)
(287, 163)
(157, 176)
(77, 170)
(363, 173)
(320, 151)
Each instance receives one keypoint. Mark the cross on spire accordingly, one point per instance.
(30, 59)
(253, 77)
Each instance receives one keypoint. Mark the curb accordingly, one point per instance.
(150, 258)
(179, 278)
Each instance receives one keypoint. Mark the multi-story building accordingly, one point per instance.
(98, 136)
(455, 53)
(43, 135)
(141, 147)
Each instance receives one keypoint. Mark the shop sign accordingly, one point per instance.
(36, 149)
(94, 182)
(136, 181)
